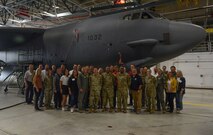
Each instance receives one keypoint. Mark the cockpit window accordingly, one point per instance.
(135, 16)
(145, 16)
(127, 17)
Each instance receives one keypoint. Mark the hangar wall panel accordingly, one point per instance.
(196, 67)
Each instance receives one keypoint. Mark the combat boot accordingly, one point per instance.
(119, 110)
(152, 111)
(104, 109)
(111, 110)
(90, 110)
(95, 111)
(124, 111)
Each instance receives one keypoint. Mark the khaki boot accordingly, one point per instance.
(119, 110)
(111, 110)
(90, 110)
(104, 109)
(124, 111)
(95, 111)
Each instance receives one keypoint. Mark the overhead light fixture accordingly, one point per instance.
(48, 14)
(20, 21)
(57, 15)
(55, 7)
(64, 14)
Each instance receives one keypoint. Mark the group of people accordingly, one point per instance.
(89, 88)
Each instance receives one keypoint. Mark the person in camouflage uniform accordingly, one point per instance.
(95, 81)
(123, 81)
(108, 89)
(160, 89)
(143, 73)
(48, 85)
(165, 74)
(150, 91)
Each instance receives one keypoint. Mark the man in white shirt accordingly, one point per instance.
(28, 80)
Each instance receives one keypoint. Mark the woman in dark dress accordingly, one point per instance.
(73, 98)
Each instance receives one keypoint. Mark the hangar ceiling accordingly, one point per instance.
(50, 13)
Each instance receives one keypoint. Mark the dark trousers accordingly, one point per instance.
(57, 99)
(130, 98)
(37, 95)
(171, 97)
(41, 98)
(167, 99)
(29, 92)
(73, 99)
(115, 95)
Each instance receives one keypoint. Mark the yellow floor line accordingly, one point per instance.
(196, 104)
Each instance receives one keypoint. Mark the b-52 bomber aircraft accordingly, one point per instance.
(135, 36)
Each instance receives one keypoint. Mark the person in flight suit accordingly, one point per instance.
(108, 89)
(83, 85)
(95, 81)
(150, 91)
(123, 83)
(160, 89)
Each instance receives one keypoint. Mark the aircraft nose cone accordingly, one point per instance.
(186, 34)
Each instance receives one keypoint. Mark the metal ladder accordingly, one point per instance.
(15, 79)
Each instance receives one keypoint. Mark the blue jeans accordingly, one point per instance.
(73, 100)
(29, 93)
(41, 98)
(179, 101)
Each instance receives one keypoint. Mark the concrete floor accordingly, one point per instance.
(195, 119)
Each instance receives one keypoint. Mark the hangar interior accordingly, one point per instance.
(196, 64)
(51, 13)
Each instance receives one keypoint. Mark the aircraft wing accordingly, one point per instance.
(143, 42)
(11, 37)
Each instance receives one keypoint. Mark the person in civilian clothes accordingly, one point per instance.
(180, 91)
(28, 80)
(135, 87)
(64, 89)
(56, 88)
(132, 67)
(73, 85)
(38, 87)
(171, 89)
(54, 69)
